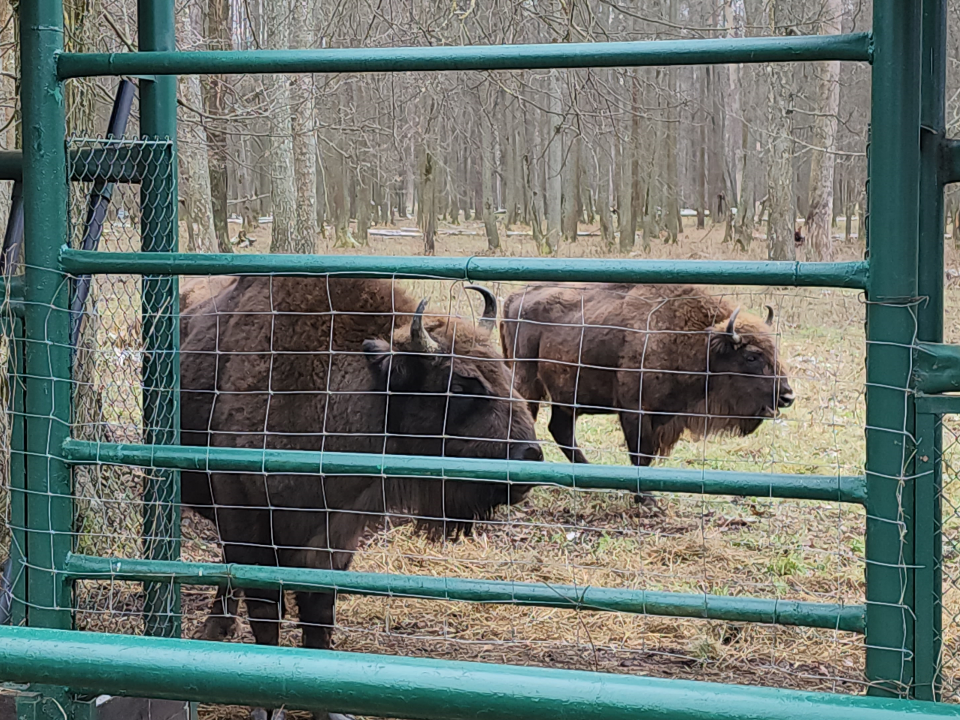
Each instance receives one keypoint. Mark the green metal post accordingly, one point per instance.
(928, 581)
(49, 503)
(49, 506)
(891, 328)
(161, 374)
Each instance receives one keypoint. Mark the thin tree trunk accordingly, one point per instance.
(304, 139)
(283, 237)
(427, 210)
(781, 215)
(570, 193)
(823, 161)
(487, 168)
(604, 164)
(554, 140)
(217, 32)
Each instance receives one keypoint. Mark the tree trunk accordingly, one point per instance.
(744, 222)
(554, 140)
(427, 210)
(700, 174)
(487, 168)
(195, 170)
(733, 19)
(192, 154)
(570, 193)
(781, 215)
(604, 165)
(283, 237)
(823, 161)
(304, 139)
(217, 32)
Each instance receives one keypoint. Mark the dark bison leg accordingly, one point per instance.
(316, 618)
(641, 450)
(563, 423)
(223, 616)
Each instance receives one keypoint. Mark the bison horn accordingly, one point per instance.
(730, 326)
(489, 318)
(420, 340)
(769, 319)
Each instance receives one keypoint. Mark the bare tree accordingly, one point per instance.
(283, 238)
(781, 223)
(819, 218)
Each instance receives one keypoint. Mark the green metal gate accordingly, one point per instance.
(908, 369)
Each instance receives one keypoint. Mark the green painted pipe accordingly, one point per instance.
(843, 488)
(795, 274)
(852, 47)
(936, 368)
(847, 618)
(116, 164)
(950, 161)
(399, 687)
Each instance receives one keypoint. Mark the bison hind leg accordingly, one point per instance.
(563, 423)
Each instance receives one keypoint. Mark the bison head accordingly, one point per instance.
(448, 392)
(746, 381)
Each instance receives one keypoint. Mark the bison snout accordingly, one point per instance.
(786, 398)
(526, 451)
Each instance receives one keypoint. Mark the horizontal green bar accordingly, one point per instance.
(125, 163)
(843, 488)
(853, 47)
(121, 164)
(950, 162)
(936, 368)
(794, 274)
(848, 618)
(401, 687)
(939, 404)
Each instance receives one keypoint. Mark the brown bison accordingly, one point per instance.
(665, 358)
(341, 365)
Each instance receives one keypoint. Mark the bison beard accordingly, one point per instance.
(305, 364)
(665, 358)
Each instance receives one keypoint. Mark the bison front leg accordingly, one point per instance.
(223, 617)
(563, 425)
(640, 446)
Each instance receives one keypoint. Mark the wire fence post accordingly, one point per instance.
(891, 329)
(161, 368)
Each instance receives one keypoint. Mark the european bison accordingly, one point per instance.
(341, 365)
(665, 358)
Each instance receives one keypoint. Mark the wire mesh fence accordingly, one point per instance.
(713, 545)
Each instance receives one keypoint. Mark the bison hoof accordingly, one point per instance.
(648, 501)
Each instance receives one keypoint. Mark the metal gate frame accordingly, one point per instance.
(907, 368)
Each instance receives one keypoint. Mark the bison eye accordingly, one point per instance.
(753, 358)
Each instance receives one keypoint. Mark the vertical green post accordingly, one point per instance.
(49, 506)
(891, 329)
(928, 581)
(161, 367)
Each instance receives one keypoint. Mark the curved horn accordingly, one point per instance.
(730, 326)
(769, 319)
(420, 340)
(489, 318)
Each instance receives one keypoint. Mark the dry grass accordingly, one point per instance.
(750, 546)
